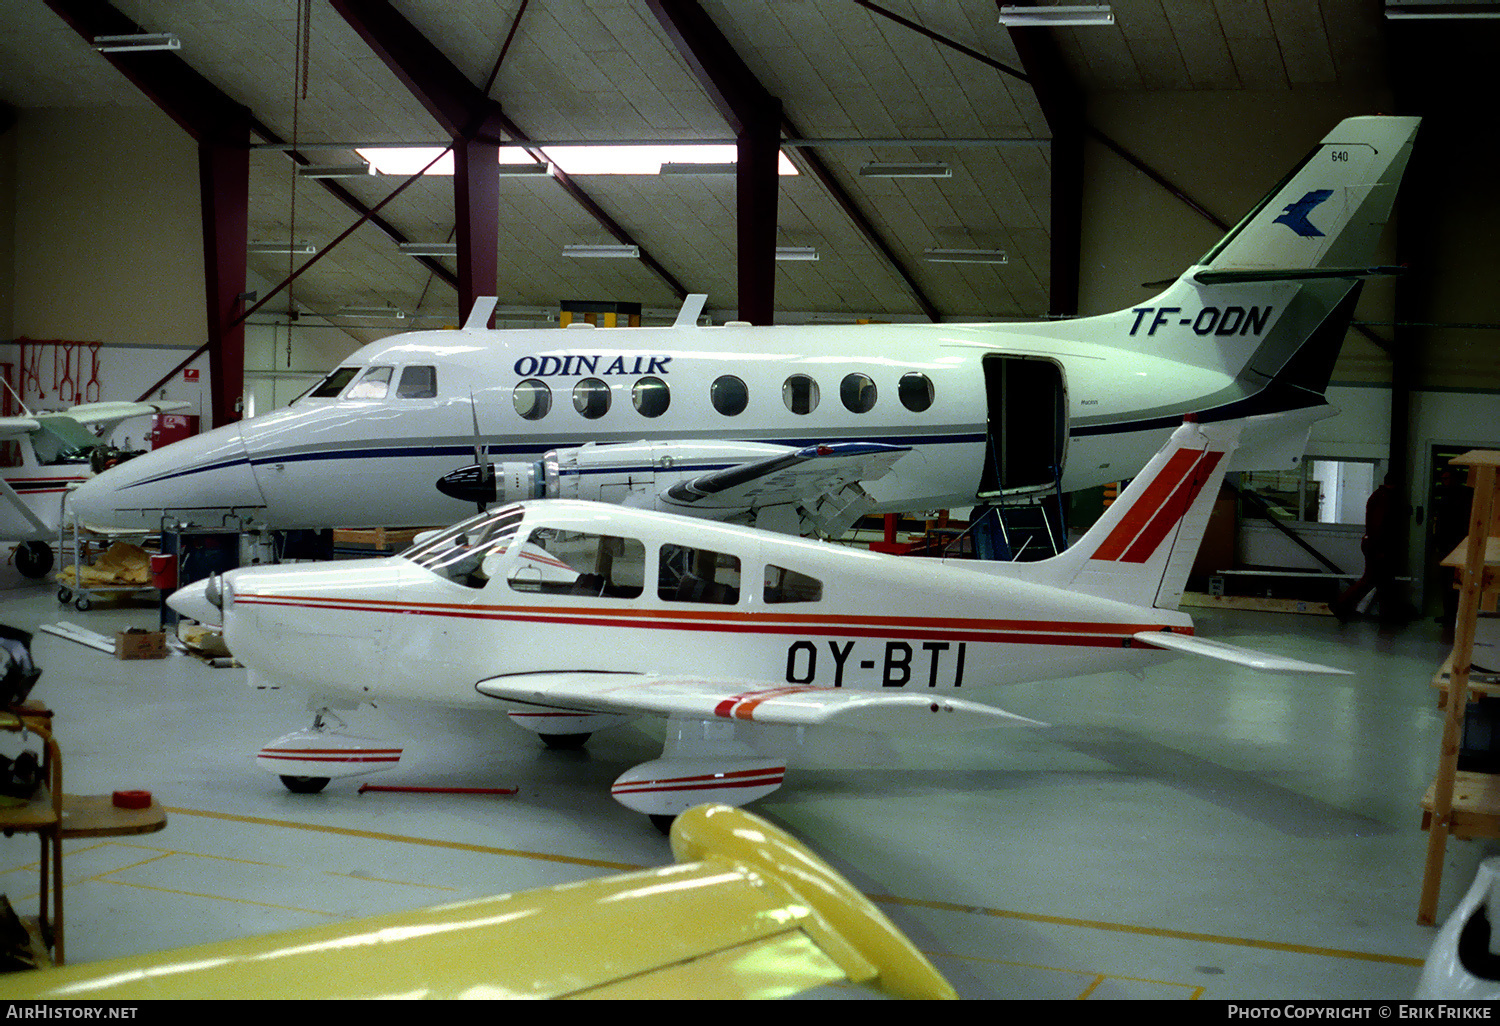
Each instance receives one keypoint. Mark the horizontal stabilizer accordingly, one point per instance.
(1233, 276)
(1264, 661)
(749, 701)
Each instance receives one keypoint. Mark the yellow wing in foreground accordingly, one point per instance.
(747, 912)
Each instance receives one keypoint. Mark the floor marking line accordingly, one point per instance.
(1152, 931)
(228, 898)
(408, 839)
(1147, 931)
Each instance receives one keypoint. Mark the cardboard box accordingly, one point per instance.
(140, 644)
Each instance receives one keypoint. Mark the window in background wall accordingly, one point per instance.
(1318, 492)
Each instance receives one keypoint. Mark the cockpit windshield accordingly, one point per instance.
(458, 552)
(331, 386)
(63, 440)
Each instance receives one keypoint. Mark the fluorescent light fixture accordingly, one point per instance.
(796, 253)
(569, 159)
(594, 252)
(137, 41)
(966, 256)
(335, 171)
(1066, 15)
(302, 248)
(936, 169)
(532, 169)
(1435, 9)
(388, 312)
(428, 249)
(680, 168)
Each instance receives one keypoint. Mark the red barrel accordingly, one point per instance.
(164, 571)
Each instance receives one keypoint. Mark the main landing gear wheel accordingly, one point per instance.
(33, 559)
(565, 742)
(305, 785)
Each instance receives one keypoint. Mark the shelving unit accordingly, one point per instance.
(55, 817)
(1464, 804)
(43, 816)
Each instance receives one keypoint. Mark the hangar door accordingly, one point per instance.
(1028, 425)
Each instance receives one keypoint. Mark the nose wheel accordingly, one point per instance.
(304, 785)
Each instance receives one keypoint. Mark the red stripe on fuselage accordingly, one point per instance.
(1057, 632)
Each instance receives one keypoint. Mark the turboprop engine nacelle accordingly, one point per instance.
(600, 473)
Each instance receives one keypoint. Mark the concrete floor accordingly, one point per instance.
(1198, 832)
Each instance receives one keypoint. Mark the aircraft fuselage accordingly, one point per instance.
(773, 608)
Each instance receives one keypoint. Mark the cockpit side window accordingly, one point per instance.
(335, 383)
(698, 575)
(417, 382)
(555, 561)
(783, 585)
(458, 552)
(375, 383)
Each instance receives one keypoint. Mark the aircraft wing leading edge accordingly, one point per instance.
(748, 701)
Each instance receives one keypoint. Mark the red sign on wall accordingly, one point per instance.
(191, 374)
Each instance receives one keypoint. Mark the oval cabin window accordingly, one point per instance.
(916, 392)
(858, 393)
(800, 393)
(591, 398)
(651, 397)
(533, 399)
(729, 395)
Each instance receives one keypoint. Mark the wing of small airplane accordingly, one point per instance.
(744, 700)
(1256, 660)
(748, 912)
(17, 427)
(105, 415)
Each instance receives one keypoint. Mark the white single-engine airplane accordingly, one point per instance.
(577, 616)
(58, 450)
(803, 429)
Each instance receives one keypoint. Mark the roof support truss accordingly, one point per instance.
(477, 124)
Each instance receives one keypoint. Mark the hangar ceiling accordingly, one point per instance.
(851, 76)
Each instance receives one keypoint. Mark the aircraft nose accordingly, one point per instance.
(203, 480)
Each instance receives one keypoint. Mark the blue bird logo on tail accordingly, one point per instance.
(1295, 215)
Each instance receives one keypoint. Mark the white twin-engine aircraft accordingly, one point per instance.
(576, 616)
(803, 429)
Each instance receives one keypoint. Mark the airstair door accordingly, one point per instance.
(1028, 425)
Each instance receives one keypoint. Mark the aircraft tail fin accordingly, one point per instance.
(1270, 304)
(1141, 550)
(1325, 218)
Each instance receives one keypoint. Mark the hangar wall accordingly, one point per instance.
(108, 240)
(101, 241)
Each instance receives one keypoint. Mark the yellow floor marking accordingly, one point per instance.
(407, 839)
(944, 906)
(1098, 977)
(1152, 931)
